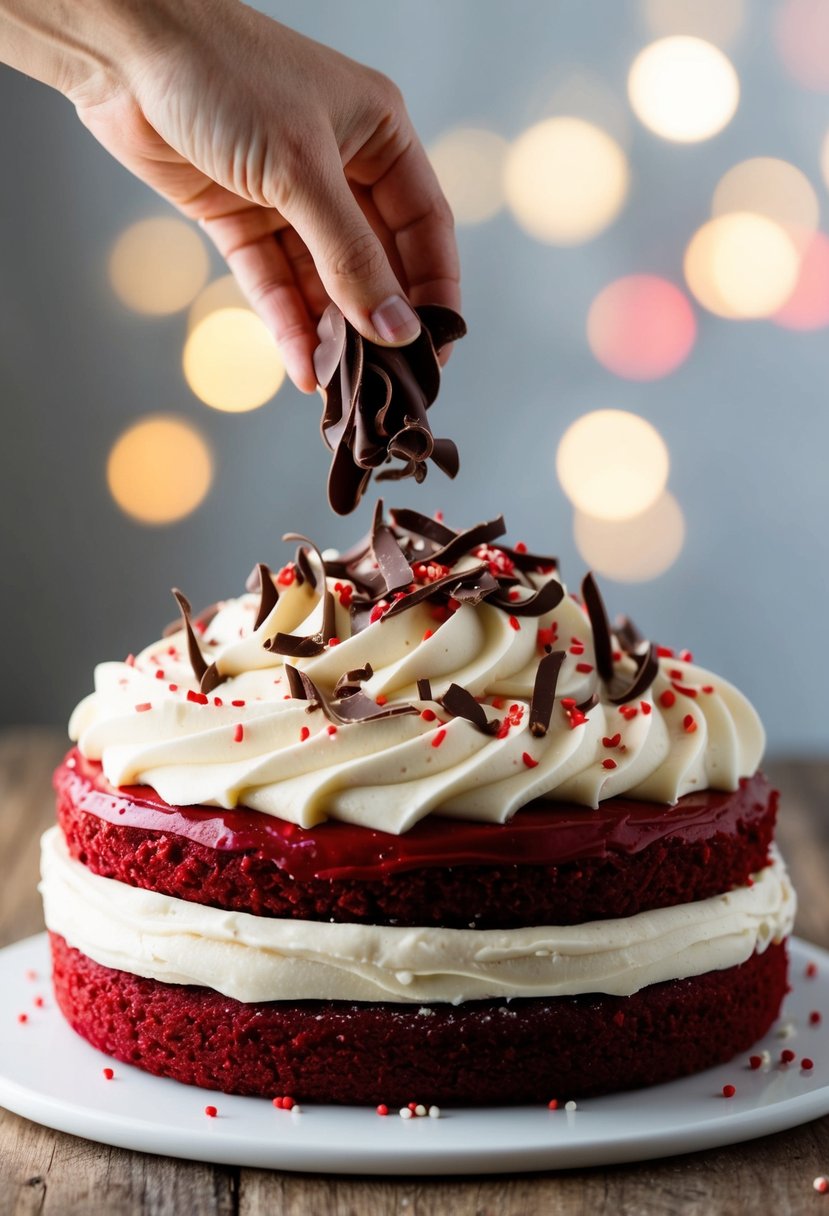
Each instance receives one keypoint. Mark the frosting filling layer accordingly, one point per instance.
(251, 958)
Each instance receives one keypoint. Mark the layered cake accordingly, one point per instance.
(412, 822)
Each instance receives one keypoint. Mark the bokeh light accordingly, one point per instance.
(160, 469)
(771, 187)
(684, 89)
(632, 550)
(801, 34)
(808, 305)
(469, 163)
(717, 21)
(741, 265)
(641, 327)
(565, 180)
(223, 292)
(612, 464)
(231, 362)
(158, 265)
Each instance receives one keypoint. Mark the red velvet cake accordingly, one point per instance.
(413, 823)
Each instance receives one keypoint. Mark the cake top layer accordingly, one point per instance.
(426, 670)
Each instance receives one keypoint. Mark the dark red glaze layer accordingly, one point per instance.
(550, 865)
(479, 1053)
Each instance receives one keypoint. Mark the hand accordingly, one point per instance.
(300, 164)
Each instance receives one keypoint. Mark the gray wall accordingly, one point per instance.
(745, 418)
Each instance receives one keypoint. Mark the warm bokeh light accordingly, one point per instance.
(641, 327)
(771, 187)
(808, 305)
(632, 550)
(717, 21)
(741, 265)
(684, 89)
(160, 469)
(158, 265)
(612, 464)
(565, 180)
(469, 163)
(224, 292)
(801, 33)
(231, 362)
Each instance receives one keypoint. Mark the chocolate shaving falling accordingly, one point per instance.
(375, 400)
(206, 674)
(602, 640)
(424, 690)
(647, 669)
(460, 703)
(544, 692)
(268, 595)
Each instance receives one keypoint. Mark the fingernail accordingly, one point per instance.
(396, 321)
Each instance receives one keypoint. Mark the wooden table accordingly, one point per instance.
(43, 1171)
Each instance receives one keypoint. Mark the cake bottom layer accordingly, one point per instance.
(479, 1053)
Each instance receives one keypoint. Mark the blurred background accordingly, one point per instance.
(640, 190)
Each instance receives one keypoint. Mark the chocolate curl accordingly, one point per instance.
(356, 707)
(627, 633)
(548, 597)
(375, 400)
(294, 646)
(207, 675)
(350, 681)
(459, 702)
(602, 640)
(304, 566)
(450, 583)
(647, 669)
(422, 525)
(464, 542)
(424, 690)
(544, 692)
(268, 595)
(394, 568)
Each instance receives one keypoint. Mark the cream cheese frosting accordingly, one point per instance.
(251, 741)
(252, 958)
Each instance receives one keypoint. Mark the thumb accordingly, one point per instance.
(350, 259)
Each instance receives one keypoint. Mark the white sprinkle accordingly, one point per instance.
(765, 1056)
(405, 1113)
(821, 1184)
(786, 1031)
(420, 1110)
(434, 1112)
(570, 1105)
(296, 1110)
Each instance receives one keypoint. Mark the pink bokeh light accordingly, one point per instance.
(801, 33)
(808, 305)
(641, 327)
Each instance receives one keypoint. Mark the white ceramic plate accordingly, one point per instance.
(50, 1075)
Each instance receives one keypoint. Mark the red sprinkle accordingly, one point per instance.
(552, 1104)
(304, 734)
(428, 634)
(108, 1074)
(436, 742)
(381, 699)
(686, 692)
(514, 622)
(197, 697)
(520, 547)
(821, 1185)
(286, 575)
(584, 667)
(628, 712)
(528, 760)
(786, 1056)
(513, 594)
(428, 715)
(144, 706)
(173, 687)
(211, 1112)
(22, 1018)
(728, 1091)
(686, 656)
(664, 652)
(689, 724)
(382, 1109)
(645, 707)
(613, 741)
(412, 1106)
(378, 610)
(332, 730)
(333, 641)
(708, 688)
(38, 1002)
(811, 971)
(547, 637)
(577, 649)
(217, 701)
(608, 763)
(667, 698)
(159, 675)
(497, 702)
(806, 1064)
(755, 1062)
(815, 1018)
(237, 704)
(239, 733)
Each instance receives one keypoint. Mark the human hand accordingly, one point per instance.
(301, 165)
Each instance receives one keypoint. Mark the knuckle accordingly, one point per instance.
(386, 92)
(359, 257)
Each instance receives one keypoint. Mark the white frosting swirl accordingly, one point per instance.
(254, 958)
(388, 774)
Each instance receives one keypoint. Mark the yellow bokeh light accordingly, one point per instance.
(774, 188)
(565, 180)
(741, 265)
(158, 265)
(160, 469)
(684, 89)
(612, 464)
(717, 21)
(231, 362)
(824, 159)
(469, 163)
(224, 292)
(632, 550)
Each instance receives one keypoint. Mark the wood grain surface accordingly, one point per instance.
(53, 1174)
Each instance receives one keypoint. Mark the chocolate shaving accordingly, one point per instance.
(375, 400)
(464, 542)
(627, 633)
(304, 565)
(590, 703)
(295, 683)
(394, 568)
(602, 639)
(460, 703)
(424, 690)
(646, 672)
(350, 681)
(449, 582)
(422, 525)
(544, 692)
(206, 674)
(268, 595)
(357, 707)
(548, 597)
(294, 646)
(202, 619)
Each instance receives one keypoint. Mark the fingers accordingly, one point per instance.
(348, 254)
